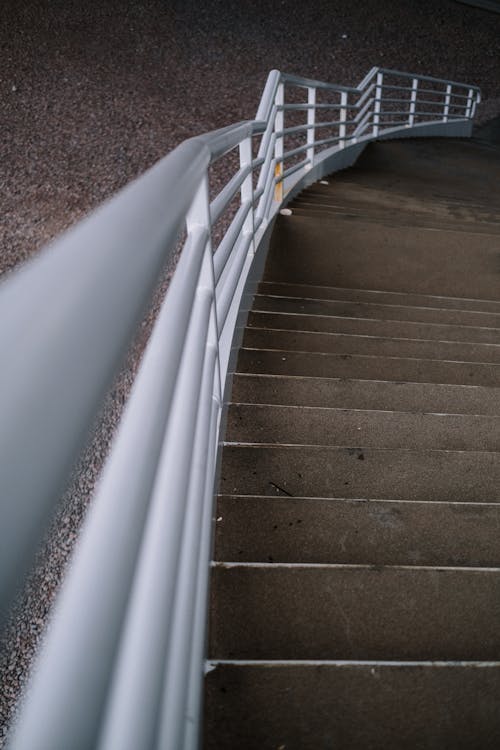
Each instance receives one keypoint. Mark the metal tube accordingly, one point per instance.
(223, 252)
(311, 119)
(343, 116)
(247, 187)
(278, 143)
(221, 202)
(376, 107)
(413, 102)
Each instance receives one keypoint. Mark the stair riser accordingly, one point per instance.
(352, 707)
(361, 473)
(298, 530)
(363, 394)
(292, 425)
(276, 612)
(367, 368)
(370, 327)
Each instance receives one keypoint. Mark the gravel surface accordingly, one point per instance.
(94, 93)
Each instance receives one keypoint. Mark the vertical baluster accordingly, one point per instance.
(311, 121)
(470, 98)
(413, 102)
(447, 100)
(199, 216)
(343, 118)
(246, 190)
(278, 145)
(475, 102)
(378, 102)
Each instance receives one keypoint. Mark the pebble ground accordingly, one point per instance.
(91, 94)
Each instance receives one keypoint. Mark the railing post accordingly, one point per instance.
(470, 99)
(278, 144)
(343, 118)
(198, 215)
(413, 102)
(475, 102)
(311, 121)
(447, 100)
(378, 102)
(246, 190)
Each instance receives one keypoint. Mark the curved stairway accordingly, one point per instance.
(356, 588)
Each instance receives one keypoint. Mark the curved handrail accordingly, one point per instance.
(130, 620)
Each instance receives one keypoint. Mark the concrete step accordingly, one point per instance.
(341, 253)
(371, 706)
(356, 532)
(363, 394)
(340, 343)
(340, 194)
(432, 169)
(359, 472)
(381, 297)
(300, 425)
(277, 611)
(485, 224)
(373, 327)
(367, 367)
(377, 311)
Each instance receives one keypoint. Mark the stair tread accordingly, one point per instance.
(298, 321)
(399, 474)
(367, 367)
(368, 706)
(283, 611)
(365, 394)
(255, 423)
(356, 531)
(383, 296)
(376, 310)
(437, 262)
(350, 343)
(480, 224)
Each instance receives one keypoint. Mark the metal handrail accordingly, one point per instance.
(130, 620)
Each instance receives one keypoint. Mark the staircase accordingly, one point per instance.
(356, 588)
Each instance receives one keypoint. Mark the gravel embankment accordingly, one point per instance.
(94, 93)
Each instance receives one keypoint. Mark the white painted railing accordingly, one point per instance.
(123, 660)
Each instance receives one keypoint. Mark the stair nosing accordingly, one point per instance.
(363, 411)
(277, 376)
(358, 446)
(232, 564)
(438, 663)
(362, 500)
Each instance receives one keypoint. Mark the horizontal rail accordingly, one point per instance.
(300, 107)
(390, 72)
(294, 168)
